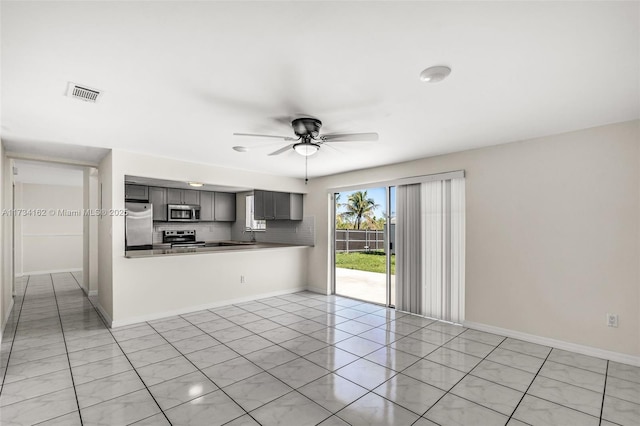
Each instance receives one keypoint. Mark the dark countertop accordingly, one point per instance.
(212, 247)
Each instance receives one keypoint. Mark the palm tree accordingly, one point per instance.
(360, 205)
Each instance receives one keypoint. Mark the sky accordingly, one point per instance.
(378, 194)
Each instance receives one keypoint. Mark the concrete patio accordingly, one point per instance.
(364, 285)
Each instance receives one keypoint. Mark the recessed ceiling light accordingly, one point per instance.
(435, 74)
(240, 148)
(196, 184)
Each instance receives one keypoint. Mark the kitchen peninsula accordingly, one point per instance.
(215, 247)
(227, 268)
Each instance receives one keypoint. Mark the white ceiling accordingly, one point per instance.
(180, 77)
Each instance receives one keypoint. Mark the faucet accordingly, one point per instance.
(253, 234)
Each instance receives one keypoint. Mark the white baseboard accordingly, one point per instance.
(89, 293)
(322, 291)
(52, 271)
(104, 314)
(6, 318)
(160, 315)
(559, 344)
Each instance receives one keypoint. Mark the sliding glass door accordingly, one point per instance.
(364, 236)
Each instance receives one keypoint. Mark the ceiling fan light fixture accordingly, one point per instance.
(306, 149)
(435, 74)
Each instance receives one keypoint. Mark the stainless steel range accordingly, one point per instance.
(185, 238)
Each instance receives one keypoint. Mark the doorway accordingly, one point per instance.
(364, 237)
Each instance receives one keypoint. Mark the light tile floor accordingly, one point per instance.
(299, 359)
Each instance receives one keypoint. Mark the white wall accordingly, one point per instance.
(90, 231)
(5, 276)
(51, 242)
(552, 230)
(144, 288)
(105, 240)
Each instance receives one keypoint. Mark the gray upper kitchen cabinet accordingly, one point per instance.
(174, 196)
(207, 206)
(258, 204)
(190, 196)
(183, 196)
(270, 205)
(158, 198)
(136, 192)
(225, 206)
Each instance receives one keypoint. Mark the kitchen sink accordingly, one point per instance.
(237, 243)
(230, 243)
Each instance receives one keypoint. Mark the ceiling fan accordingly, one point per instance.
(308, 138)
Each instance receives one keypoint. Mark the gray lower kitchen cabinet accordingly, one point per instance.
(158, 198)
(225, 206)
(183, 196)
(271, 205)
(134, 192)
(207, 206)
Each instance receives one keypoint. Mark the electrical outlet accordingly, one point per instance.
(242, 279)
(612, 320)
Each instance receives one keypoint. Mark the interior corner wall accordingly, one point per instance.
(17, 223)
(6, 237)
(4, 306)
(552, 233)
(105, 226)
(90, 231)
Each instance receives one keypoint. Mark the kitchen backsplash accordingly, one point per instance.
(205, 231)
(280, 231)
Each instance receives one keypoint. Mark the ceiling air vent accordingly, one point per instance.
(83, 93)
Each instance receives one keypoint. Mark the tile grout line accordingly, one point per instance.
(201, 372)
(529, 387)
(421, 327)
(125, 355)
(304, 318)
(298, 357)
(604, 392)
(396, 373)
(15, 333)
(66, 349)
(462, 378)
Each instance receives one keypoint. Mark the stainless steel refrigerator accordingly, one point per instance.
(139, 226)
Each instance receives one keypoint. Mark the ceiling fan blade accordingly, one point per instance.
(286, 138)
(350, 137)
(281, 150)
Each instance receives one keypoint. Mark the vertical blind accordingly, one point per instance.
(430, 249)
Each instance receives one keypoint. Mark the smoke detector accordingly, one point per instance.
(82, 92)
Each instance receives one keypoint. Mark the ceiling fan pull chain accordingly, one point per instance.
(306, 177)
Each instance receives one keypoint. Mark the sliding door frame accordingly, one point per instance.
(387, 185)
(387, 239)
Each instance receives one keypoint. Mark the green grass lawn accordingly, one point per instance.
(372, 261)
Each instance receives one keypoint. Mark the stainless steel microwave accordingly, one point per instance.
(183, 213)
